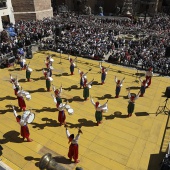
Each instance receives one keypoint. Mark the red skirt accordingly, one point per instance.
(73, 151)
(61, 116)
(25, 131)
(21, 102)
(148, 78)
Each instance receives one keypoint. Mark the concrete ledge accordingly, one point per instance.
(3, 166)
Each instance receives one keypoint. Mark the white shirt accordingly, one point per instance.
(99, 107)
(75, 140)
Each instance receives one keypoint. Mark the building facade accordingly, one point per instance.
(32, 9)
(6, 13)
(109, 6)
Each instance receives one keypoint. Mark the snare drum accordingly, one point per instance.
(51, 59)
(89, 86)
(50, 78)
(30, 69)
(51, 67)
(70, 111)
(28, 97)
(67, 107)
(105, 109)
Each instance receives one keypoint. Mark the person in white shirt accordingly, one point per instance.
(23, 123)
(74, 147)
(104, 72)
(99, 109)
(72, 64)
(82, 78)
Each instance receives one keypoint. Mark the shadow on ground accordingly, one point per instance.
(48, 122)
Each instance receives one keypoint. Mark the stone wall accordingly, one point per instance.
(23, 5)
(32, 9)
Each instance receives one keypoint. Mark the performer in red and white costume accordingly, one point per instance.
(87, 86)
(48, 62)
(144, 84)
(99, 109)
(131, 105)
(119, 84)
(82, 77)
(74, 147)
(21, 101)
(61, 114)
(15, 83)
(72, 64)
(28, 72)
(57, 93)
(149, 75)
(104, 71)
(23, 123)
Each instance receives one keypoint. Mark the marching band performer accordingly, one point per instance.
(131, 105)
(48, 61)
(74, 147)
(21, 101)
(149, 75)
(61, 114)
(86, 88)
(23, 123)
(99, 109)
(47, 72)
(15, 83)
(28, 73)
(82, 77)
(104, 72)
(22, 63)
(57, 93)
(72, 64)
(143, 87)
(119, 84)
(48, 78)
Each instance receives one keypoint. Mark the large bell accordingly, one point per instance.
(49, 163)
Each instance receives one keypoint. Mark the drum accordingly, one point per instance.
(30, 69)
(67, 107)
(23, 60)
(105, 109)
(89, 86)
(50, 78)
(25, 93)
(70, 111)
(28, 97)
(51, 59)
(25, 116)
(85, 77)
(51, 67)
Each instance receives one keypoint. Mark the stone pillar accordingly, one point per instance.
(32, 9)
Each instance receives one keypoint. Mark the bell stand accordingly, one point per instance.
(163, 109)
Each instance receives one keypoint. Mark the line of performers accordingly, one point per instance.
(99, 109)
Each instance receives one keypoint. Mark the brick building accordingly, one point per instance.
(32, 9)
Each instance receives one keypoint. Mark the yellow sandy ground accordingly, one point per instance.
(119, 143)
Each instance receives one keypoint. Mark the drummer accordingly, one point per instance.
(131, 105)
(21, 101)
(104, 72)
(61, 113)
(99, 109)
(144, 84)
(48, 72)
(86, 88)
(82, 77)
(119, 84)
(23, 123)
(57, 93)
(72, 64)
(28, 73)
(49, 60)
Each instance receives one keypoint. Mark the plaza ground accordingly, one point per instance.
(119, 143)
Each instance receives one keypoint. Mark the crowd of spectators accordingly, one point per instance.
(139, 42)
